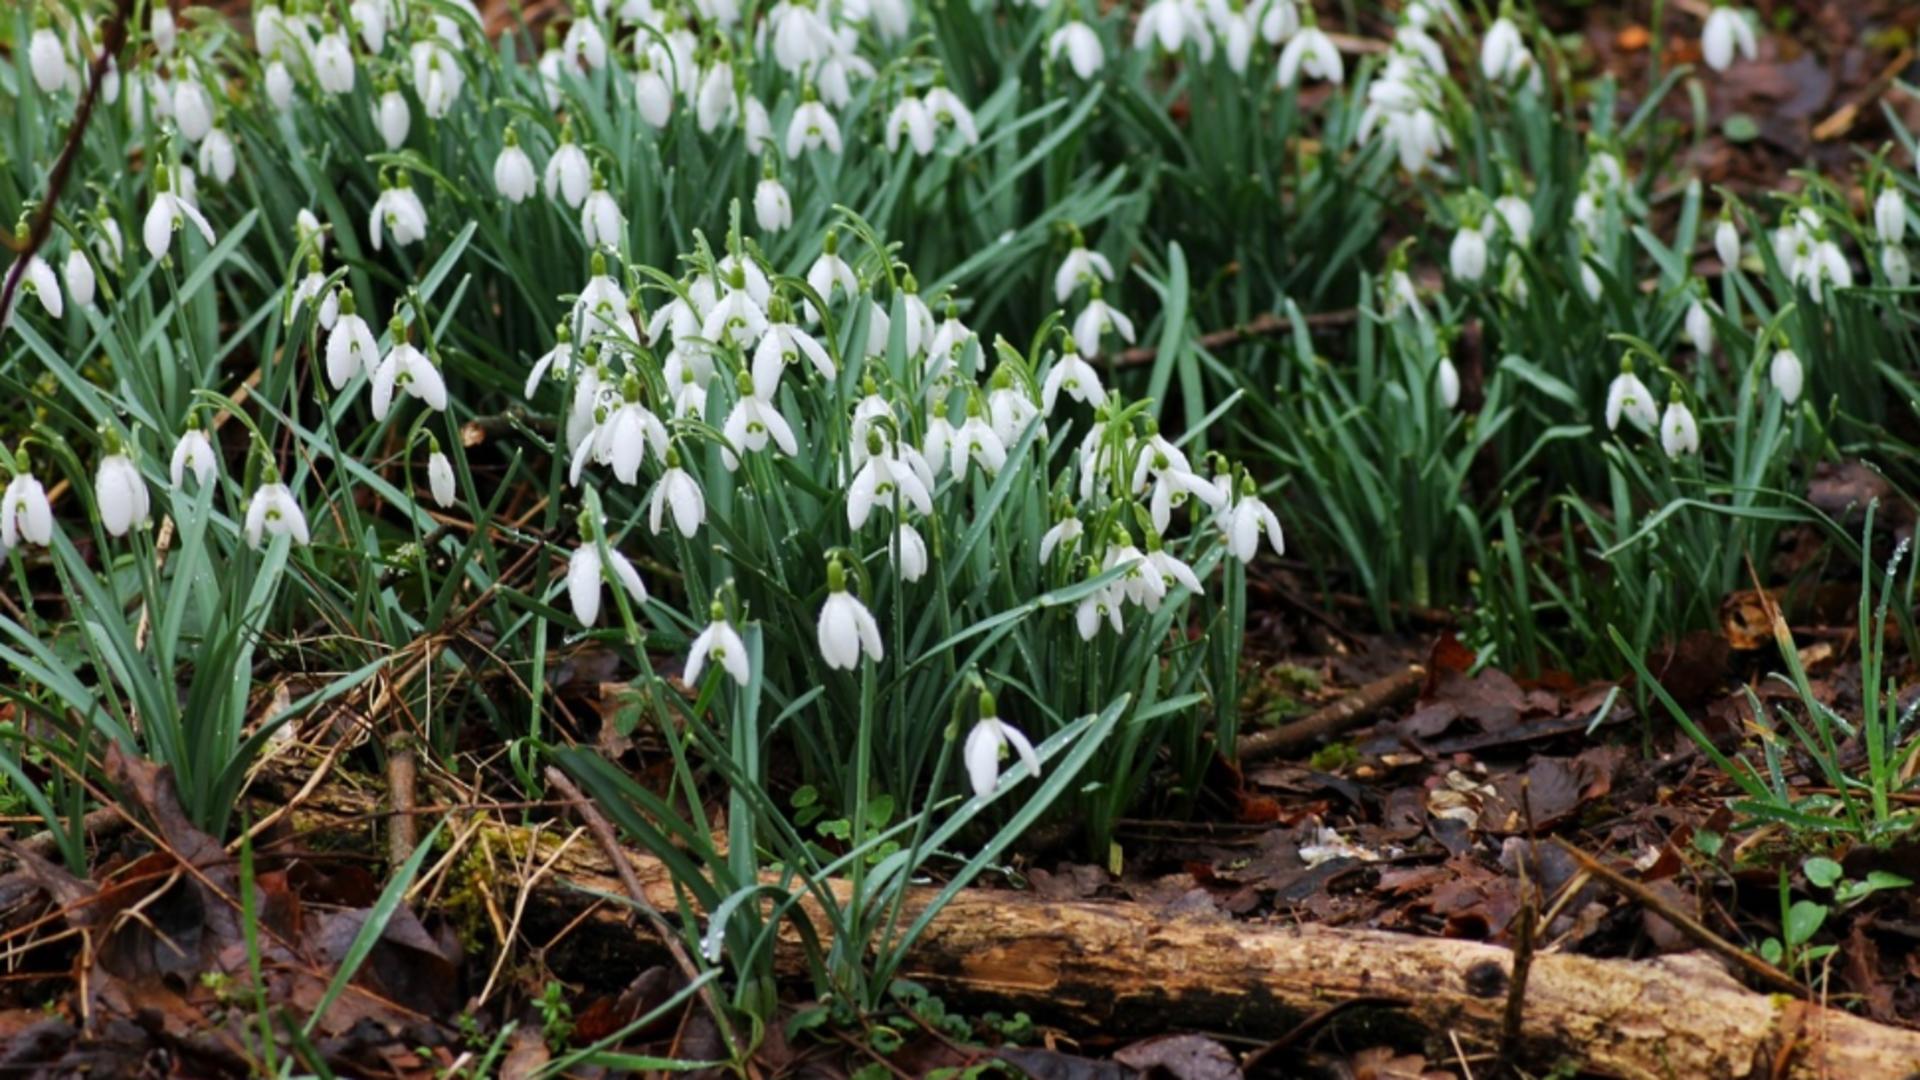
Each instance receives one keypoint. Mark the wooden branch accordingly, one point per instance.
(1131, 967)
(1264, 325)
(1348, 712)
(1685, 923)
(1128, 967)
(112, 36)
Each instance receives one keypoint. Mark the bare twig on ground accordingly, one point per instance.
(1264, 325)
(402, 831)
(1685, 923)
(1346, 713)
(603, 834)
(112, 36)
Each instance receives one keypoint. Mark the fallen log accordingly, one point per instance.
(1129, 968)
(1125, 967)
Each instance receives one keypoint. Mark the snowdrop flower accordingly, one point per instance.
(758, 130)
(1234, 24)
(1678, 432)
(1447, 379)
(161, 28)
(437, 77)
(1590, 282)
(1166, 23)
(911, 119)
(1064, 534)
(908, 552)
(1399, 294)
(785, 343)
(1726, 32)
(1081, 266)
(1310, 52)
(1895, 264)
(737, 319)
(1827, 265)
(987, 743)
(1504, 56)
(193, 455)
(39, 280)
(882, 480)
(392, 117)
(557, 360)
(165, 215)
(273, 512)
(1244, 521)
(1699, 327)
(947, 109)
(623, 439)
(677, 490)
(1095, 320)
(440, 479)
(513, 175)
(717, 103)
(279, 83)
(350, 345)
(1138, 585)
(216, 157)
(399, 214)
(568, 176)
(1172, 571)
(652, 96)
(333, 63)
(1102, 603)
(1172, 486)
(1787, 375)
(719, 641)
(753, 421)
(407, 369)
(585, 45)
(1628, 396)
(1467, 257)
(192, 108)
(370, 18)
(1077, 378)
(772, 208)
(812, 127)
(829, 274)
(1517, 215)
(586, 571)
(1082, 48)
(1726, 242)
(78, 275)
(846, 628)
(1890, 215)
(976, 441)
(48, 59)
(25, 514)
(949, 341)
(1279, 21)
(601, 308)
(307, 227)
(601, 222)
(119, 491)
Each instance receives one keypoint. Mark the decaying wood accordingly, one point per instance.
(1348, 712)
(1126, 967)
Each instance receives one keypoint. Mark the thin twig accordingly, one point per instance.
(603, 834)
(112, 36)
(402, 835)
(1685, 923)
(1263, 325)
(1346, 713)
